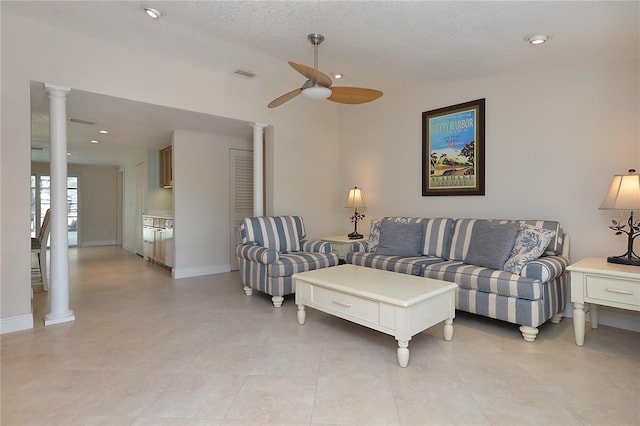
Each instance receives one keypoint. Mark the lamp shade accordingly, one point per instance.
(624, 193)
(316, 93)
(354, 200)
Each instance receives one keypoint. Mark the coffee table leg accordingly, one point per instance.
(448, 329)
(403, 353)
(302, 315)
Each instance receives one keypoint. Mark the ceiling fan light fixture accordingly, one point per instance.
(316, 93)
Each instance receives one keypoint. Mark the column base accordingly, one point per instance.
(51, 319)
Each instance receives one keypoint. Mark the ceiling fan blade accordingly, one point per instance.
(284, 98)
(353, 95)
(312, 74)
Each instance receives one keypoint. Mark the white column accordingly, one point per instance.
(59, 284)
(258, 172)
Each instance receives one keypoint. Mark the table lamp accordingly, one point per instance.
(354, 201)
(624, 195)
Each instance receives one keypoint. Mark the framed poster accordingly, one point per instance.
(453, 150)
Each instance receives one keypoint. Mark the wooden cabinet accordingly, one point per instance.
(158, 239)
(166, 169)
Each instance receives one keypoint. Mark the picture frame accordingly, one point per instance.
(453, 150)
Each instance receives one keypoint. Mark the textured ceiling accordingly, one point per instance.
(379, 44)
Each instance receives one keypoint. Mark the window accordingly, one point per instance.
(41, 201)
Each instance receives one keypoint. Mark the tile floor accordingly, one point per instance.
(148, 350)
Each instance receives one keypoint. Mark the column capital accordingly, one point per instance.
(54, 88)
(259, 126)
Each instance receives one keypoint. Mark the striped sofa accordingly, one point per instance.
(528, 299)
(271, 249)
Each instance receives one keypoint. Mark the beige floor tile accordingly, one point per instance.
(196, 396)
(273, 400)
(355, 400)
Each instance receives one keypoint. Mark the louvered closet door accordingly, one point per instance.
(241, 193)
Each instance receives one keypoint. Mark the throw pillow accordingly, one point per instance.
(530, 244)
(374, 232)
(401, 239)
(491, 243)
(374, 235)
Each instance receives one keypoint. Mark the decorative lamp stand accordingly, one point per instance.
(624, 195)
(355, 201)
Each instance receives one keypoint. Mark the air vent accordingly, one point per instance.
(77, 120)
(246, 74)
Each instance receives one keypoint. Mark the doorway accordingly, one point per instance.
(41, 202)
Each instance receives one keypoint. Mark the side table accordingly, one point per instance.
(341, 245)
(594, 281)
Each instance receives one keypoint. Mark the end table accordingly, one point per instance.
(341, 245)
(595, 282)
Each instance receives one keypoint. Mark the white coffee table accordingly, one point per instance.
(397, 304)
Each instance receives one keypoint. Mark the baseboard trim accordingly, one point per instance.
(197, 272)
(17, 323)
(98, 243)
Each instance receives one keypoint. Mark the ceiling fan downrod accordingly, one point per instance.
(315, 39)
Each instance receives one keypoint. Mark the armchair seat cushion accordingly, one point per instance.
(292, 263)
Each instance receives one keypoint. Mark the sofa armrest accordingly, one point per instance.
(546, 268)
(316, 246)
(360, 246)
(255, 253)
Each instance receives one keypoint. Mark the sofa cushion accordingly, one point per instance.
(530, 244)
(462, 229)
(486, 280)
(491, 244)
(460, 239)
(405, 265)
(401, 239)
(437, 233)
(437, 236)
(281, 233)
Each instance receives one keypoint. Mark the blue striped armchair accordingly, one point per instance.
(271, 249)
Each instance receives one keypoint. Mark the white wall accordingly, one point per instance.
(302, 150)
(202, 215)
(553, 142)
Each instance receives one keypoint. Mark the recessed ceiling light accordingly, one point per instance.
(93, 141)
(536, 38)
(337, 75)
(154, 13)
(104, 132)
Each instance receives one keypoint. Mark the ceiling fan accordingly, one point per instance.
(318, 85)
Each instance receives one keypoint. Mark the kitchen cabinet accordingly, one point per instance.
(157, 235)
(166, 169)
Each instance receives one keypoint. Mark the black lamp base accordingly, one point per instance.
(355, 236)
(624, 260)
